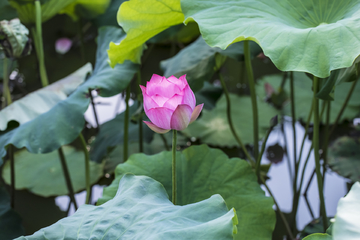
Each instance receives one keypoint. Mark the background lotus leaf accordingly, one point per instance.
(141, 210)
(141, 21)
(307, 36)
(33, 171)
(85, 8)
(344, 157)
(42, 100)
(202, 172)
(63, 123)
(213, 128)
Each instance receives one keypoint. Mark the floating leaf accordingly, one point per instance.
(197, 61)
(34, 171)
(10, 221)
(141, 210)
(42, 100)
(347, 219)
(141, 21)
(344, 157)
(49, 8)
(307, 36)
(202, 172)
(85, 8)
(63, 123)
(213, 127)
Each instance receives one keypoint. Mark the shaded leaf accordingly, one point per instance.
(141, 210)
(141, 21)
(42, 100)
(319, 236)
(202, 172)
(213, 128)
(109, 17)
(34, 171)
(85, 8)
(6, 11)
(63, 123)
(344, 157)
(307, 36)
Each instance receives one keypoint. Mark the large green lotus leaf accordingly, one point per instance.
(42, 100)
(49, 8)
(213, 127)
(63, 123)
(85, 8)
(107, 139)
(307, 36)
(304, 95)
(344, 157)
(142, 20)
(347, 219)
(202, 172)
(141, 210)
(198, 61)
(10, 221)
(42, 174)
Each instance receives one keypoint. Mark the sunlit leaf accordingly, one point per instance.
(49, 8)
(202, 172)
(34, 171)
(141, 210)
(85, 8)
(62, 124)
(142, 20)
(307, 36)
(213, 128)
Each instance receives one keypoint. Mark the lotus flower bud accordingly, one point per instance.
(63, 45)
(169, 103)
(13, 39)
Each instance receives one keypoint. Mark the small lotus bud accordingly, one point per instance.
(63, 45)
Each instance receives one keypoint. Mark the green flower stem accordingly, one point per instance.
(37, 34)
(279, 211)
(166, 145)
(126, 124)
(228, 112)
(258, 161)
(316, 152)
(343, 107)
(87, 168)
(253, 97)
(6, 91)
(67, 177)
(140, 98)
(174, 167)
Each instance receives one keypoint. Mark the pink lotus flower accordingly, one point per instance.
(169, 103)
(63, 45)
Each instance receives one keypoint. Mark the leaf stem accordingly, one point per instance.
(253, 97)
(140, 98)
(228, 112)
(258, 161)
(293, 121)
(316, 152)
(6, 91)
(126, 124)
(87, 168)
(37, 34)
(67, 177)
(174, 168)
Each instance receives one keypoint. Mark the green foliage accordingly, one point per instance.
(141, 21)
(344, 157)
(33, 171)
(213, 128)
(319, 236)
(202, 172)
(63, 123)
(198, 61)
(85, 8)
(307, 36)
(6, 11)
(141, 210)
